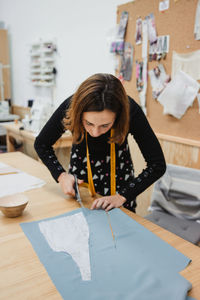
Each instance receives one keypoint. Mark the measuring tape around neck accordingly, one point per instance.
(112, 168)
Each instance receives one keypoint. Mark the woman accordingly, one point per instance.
(100, 116)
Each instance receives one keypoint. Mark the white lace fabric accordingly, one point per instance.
(70, 235)
(186, 62)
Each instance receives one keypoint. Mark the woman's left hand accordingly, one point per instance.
(108, 202)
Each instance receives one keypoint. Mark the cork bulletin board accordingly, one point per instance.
(177, 22)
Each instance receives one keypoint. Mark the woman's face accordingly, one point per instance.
(97, 123)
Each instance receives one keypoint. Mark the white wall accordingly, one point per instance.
(81, 32)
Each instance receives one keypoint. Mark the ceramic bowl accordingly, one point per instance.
(12, 206)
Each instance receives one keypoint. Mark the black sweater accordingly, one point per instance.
(99, 150)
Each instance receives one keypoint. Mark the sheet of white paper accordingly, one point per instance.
(71, 235)
(17, 183)
(7, 169)
(179, 94)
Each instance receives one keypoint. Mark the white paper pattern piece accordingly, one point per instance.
(179, 94)
(17, 183)
(71, 235)
(186, 62)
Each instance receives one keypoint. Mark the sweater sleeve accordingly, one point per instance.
(47, 137)
(150, 149)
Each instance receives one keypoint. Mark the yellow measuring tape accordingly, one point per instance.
(112, 176)
(112, 168)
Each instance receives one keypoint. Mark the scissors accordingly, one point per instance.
(77, 194)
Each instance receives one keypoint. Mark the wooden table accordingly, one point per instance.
(62, 146)
(22, 276)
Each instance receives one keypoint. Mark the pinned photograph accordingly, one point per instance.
(122, 25)
(127, 62)
(159, 80)
(151, 28)
(138, 35)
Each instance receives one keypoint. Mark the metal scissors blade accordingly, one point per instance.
(77, 194)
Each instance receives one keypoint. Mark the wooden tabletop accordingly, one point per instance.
(22, 275)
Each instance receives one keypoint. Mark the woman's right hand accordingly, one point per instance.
(66, 182)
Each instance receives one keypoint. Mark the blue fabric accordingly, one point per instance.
(142, 266)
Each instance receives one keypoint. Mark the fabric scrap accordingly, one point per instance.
(178, 193)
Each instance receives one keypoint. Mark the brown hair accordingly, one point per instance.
(97, 93)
